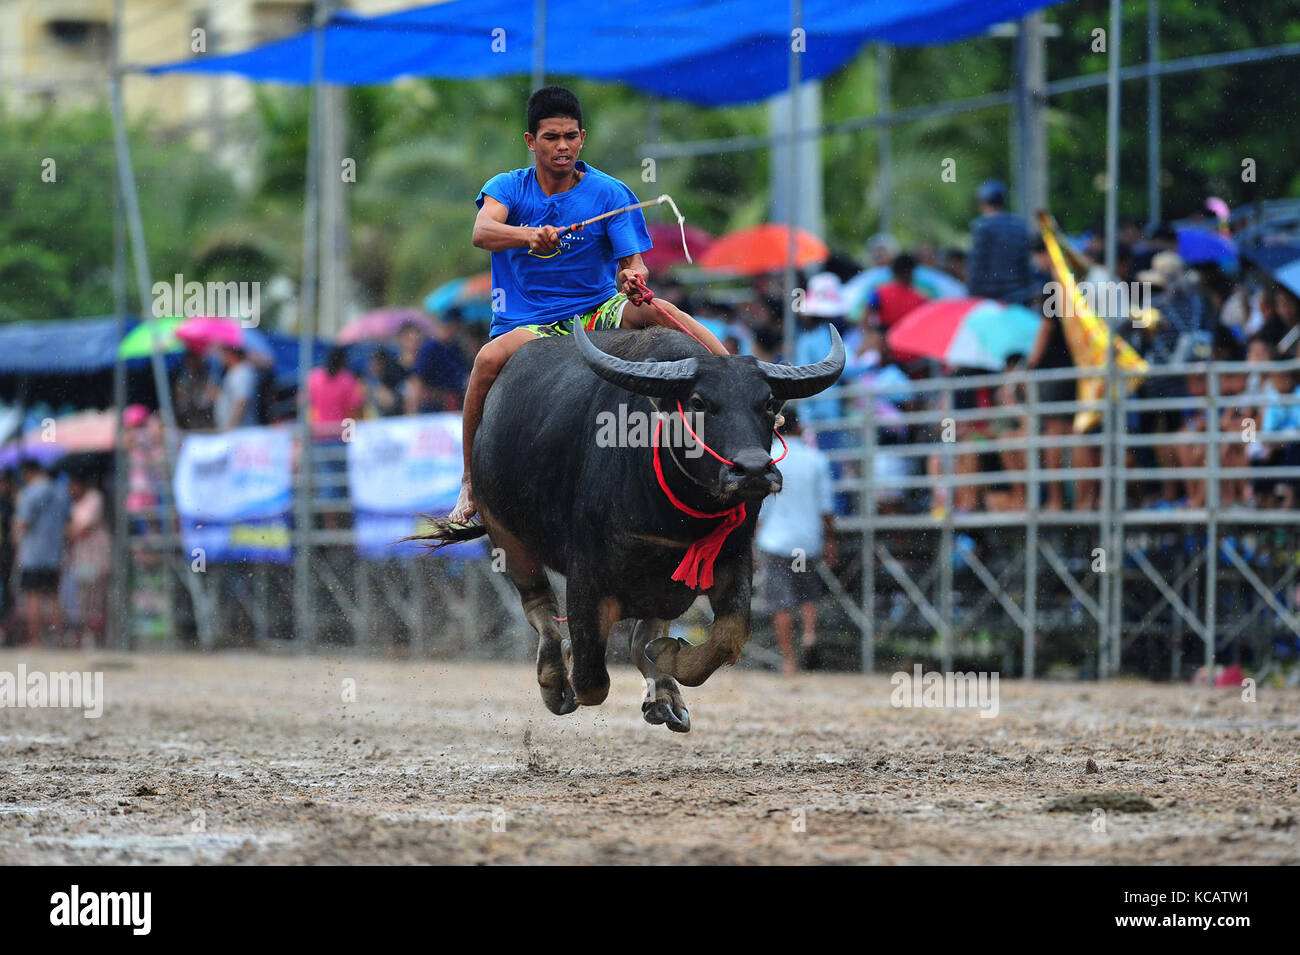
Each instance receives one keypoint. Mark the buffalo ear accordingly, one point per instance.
(656, 379)
(803, 381)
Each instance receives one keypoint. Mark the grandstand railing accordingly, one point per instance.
(921, 576)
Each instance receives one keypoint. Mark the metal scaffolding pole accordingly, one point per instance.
(1031, 135)
(123, 633)
(867, 625)
(539, 44)
(1111, 555)
(1153, 113)
(303, 605)
(884, 139)
(140, 256)
(792, 179)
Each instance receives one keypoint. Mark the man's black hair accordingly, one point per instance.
(549, 102)
(903, 265)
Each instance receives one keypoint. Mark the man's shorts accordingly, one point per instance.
(608, 314)
(785, 588)
(39, 580)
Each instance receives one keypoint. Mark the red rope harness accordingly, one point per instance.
(696, 568)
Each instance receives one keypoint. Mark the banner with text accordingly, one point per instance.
(234, 494)
(398, 469)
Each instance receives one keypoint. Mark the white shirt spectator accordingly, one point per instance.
(792, 520)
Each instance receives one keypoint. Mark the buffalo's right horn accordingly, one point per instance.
(802, 381)
(657, 379)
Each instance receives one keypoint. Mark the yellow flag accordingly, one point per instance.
(1087, 335)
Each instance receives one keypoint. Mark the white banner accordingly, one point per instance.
(405, 465)
(235, 476)
(399, 469)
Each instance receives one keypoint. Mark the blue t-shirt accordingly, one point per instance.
(538, 290)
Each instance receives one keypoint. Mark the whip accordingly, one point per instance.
(681, 219)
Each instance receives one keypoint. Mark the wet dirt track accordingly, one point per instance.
(256, 759)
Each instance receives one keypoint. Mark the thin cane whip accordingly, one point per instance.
(681, 219)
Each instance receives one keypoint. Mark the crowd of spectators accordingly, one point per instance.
(54, 544)
(1195, 313)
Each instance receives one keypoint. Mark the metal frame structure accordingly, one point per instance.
(1126, 549)
(928, 582)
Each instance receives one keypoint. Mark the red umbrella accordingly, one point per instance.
(762, 249)
(668, 249)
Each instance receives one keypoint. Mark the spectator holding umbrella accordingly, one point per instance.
(236, 404)
(384, 382)
(194, 393)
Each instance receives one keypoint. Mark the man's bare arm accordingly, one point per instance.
(493, 235)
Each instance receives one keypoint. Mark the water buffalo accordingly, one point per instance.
(551, 494)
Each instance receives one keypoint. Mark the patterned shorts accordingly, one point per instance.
(608, 314)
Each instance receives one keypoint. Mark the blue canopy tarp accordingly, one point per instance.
(712, 52)
(87, 345)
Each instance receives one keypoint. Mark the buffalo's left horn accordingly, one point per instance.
(802, 381)
(658, 379)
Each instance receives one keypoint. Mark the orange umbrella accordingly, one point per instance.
(763, 248)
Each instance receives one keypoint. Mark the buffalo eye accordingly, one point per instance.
(697, 403)
(773, 406)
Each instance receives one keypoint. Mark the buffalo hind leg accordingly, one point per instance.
(662, 702)
(541, 609)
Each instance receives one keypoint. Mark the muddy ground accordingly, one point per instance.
(257, 759)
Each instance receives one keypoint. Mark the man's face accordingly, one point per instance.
(557, 144)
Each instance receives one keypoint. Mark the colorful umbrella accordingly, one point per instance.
(668, 251)
(472, 295)
(383, 323)
(84, 431)
(932, 283)
(965, 332)
(208, 331)
(139, 341)
(1281, 262)
(1198, 246)
(762, 249)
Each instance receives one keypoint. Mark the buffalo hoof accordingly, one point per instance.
(660, 712)
(561, 702)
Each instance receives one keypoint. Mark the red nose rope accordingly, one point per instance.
(696, 568)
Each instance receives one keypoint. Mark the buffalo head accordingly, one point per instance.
(731, 403)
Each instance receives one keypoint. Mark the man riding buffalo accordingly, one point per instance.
(546, 276)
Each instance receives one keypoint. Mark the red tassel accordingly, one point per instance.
(696, 568)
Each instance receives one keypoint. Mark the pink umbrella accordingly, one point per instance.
(208, 330)
(383, 323)
(668, 250)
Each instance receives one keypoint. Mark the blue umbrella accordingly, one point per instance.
(1281, 262)
(1198, 246)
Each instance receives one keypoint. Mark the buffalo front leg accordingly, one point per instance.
(541, 609)
(591, 617)
(729, 598)
(662, 701)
